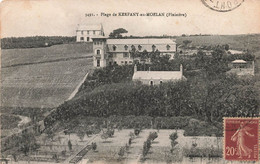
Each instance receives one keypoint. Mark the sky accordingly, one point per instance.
(61, 17)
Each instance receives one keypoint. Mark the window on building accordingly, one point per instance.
(139, 47)
(87, 39)
(114, 48)
(153, 47)
(94, 32)
(168, 47)
(114, 55)
(82, 32)
(125, 62)
(88, 32)
(122, 62)
(98, 63)
(130, 62)
(151, 83)
(115, 63)
(161, 81)
(98, 52)
(125, 54)
(82, 38)
(100, 43)
(126, 47)
(95, 43)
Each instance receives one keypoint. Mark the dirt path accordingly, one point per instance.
(77, 88)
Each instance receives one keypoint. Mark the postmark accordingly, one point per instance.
(241, 139)
(222, 5)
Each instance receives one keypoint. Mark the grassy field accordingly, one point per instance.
(43, 77)
(237, 42)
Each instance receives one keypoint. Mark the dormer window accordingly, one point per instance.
(114, 48)
(126, 47)
(139, 47)
(133, 47)
(168, 47)
(94, 32)
(153, 47)
(82, 32)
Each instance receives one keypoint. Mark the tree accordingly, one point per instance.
(94, 146)
(226, 46)
(50, 133)
(28, 143)
(105, 136)
(69, 145)
(55, 157)
(186, 42)
(121, 152)
(117, 33)
(173, 138)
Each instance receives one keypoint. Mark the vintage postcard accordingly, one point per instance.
(129, 81)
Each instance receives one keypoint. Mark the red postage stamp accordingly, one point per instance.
(241, 139)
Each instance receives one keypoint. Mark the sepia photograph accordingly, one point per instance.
(129, 81)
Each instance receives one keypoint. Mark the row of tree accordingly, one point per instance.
(34, 41)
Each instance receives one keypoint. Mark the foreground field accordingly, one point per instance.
(43, 77)
(107, 150)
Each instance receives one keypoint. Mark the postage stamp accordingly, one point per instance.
(222, 5)
(241, 139)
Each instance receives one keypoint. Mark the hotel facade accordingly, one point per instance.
(117, 51)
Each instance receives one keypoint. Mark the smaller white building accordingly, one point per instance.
(157, 77)
(86, 32)
(242, 67)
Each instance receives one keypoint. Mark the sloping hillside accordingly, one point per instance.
(43, 77)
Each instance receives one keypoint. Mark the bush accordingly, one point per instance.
(137, 131)
(121, 152)
(94, 146)
(152, 136)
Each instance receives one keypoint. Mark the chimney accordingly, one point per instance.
(135, 68)
(181, 70)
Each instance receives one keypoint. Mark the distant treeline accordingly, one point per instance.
(35, 41)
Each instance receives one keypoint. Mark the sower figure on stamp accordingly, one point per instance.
(239, 136)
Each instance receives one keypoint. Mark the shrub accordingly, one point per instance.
(121, 152)
(81, 134)
(94, 146)
(110, 132)
(105, 136)
(132, 135)
(173, 138)
(137, 131)
(69, 145)
(152, 136)
(130, 141)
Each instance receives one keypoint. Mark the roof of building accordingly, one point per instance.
(235, 52)
(99, 37)
(89, 27)
(164, 75)
(239, 61)
(141, 41)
